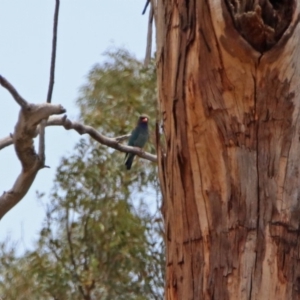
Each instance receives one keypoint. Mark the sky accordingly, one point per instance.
(86, 29)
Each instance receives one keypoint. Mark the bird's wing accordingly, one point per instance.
(141, 139)
(133, 137)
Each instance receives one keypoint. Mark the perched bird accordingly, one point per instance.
(138, 138)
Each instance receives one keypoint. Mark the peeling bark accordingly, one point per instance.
(230, 177)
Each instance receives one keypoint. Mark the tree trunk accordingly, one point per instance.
(229, 96)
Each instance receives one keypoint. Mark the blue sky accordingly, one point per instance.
(86, 30)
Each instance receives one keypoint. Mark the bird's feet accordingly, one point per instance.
(140, 149)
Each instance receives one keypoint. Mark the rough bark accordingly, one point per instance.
(229, 101)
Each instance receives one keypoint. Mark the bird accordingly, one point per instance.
(138, 138)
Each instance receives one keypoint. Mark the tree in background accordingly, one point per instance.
(101, 238)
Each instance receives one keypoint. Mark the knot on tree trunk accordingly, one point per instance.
(261, 22)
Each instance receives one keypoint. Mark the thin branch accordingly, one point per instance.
(20, 100)
(42, 142)
(72, 257)
(5, 142)
(145, 7)
(149, 37)
(97, 136)
(51, 245)
(51, 83)
(58, 259)
(93, 133)
(53, 55)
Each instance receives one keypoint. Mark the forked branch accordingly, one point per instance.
(30, 117)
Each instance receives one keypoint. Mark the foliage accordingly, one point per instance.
(100, 239)
(121, 88)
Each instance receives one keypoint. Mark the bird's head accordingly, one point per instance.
(143, 119)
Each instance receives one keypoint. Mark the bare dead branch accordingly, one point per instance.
(51, 83)
(53, 55)
(7, 141)
(25, 130)
(20, 100)
(42, 142)
(97, 136)
(145, 7)
(83, 129)
(149, 37)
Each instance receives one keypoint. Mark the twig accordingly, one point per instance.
(53, 55)
(145, 7)
(72, 256)
(20, 100)
(51, 83)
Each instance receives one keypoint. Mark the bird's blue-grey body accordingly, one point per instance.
(138, 138)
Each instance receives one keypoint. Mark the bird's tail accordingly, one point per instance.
(128, 160)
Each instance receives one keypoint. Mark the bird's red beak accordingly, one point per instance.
(145, 120)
